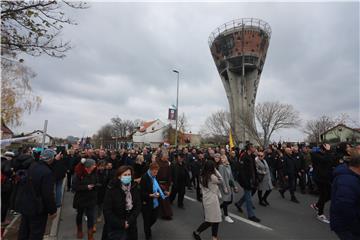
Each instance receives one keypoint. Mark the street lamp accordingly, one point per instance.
(177, 109)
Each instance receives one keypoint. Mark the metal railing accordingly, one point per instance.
(238, 24)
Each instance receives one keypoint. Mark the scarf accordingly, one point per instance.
(156, 189)
(128, 197)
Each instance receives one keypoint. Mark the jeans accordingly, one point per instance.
(249, 205)
(58, 192)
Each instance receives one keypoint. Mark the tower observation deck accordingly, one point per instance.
(239, 50)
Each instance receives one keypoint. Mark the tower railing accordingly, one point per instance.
(238, 24)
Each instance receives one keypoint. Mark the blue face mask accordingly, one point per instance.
(126, 180)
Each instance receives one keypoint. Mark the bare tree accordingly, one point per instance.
(273, 116)
(34, 27)
(314, 128)
(270, 116)
(217, 126)
(182, 123)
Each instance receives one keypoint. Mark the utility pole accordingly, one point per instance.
(44, 135)
(177, 109)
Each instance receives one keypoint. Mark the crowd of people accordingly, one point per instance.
(117, 186)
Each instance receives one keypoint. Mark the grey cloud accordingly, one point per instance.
(124, 53)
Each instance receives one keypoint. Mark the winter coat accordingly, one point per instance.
(263, 169)
(7, 173)
(164, 175)
(104, 176)
(247, 172)
(115, 212)
(345, 201)
(146, 188)
(84, 197)
(299, 161)
(323, 164)
(228, 181)
(23, 161)
(36, 197)
(59, 168)
(180, 175)
(210, 200)
(290, 168)
(139, 170)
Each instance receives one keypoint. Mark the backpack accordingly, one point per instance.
(27, 202)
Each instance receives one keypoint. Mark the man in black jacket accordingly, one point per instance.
(247, 180)
(35, 199)
(181, 179)
(324, 162)
(300, 167)
(289, 171)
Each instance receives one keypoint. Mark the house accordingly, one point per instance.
(341, 133)
(38, 138)
(190, 138)
(6, 133)
(150, 133)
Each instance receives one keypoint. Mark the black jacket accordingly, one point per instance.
(115, 206)
(23, 161)
(247, 172)
(290, 166)
(84, 197)
(36, 197)
(180, 175)
(59, 168)
(146, 186)
(323, 164)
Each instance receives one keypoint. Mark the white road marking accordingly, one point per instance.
(255, 224)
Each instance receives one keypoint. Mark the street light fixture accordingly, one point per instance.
(177, 109)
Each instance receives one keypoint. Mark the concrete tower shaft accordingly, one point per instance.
(239, 50)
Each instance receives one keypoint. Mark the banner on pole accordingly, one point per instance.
(172, 114)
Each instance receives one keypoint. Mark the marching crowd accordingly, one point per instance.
(117, 186)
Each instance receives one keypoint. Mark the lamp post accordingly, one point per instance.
(177, 109)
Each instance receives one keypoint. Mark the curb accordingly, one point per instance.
(55, 223)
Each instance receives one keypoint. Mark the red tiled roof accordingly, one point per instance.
(145, 125)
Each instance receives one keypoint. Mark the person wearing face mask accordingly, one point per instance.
(85, 198)
(122, 205)
(150, 196)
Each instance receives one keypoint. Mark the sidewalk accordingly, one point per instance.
(11, 231)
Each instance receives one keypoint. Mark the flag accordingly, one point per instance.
(231, 140)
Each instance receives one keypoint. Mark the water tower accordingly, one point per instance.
(239, 50)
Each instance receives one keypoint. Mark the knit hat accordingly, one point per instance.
(89, 163)
(47, 155)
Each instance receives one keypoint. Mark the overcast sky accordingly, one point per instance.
(123, 55)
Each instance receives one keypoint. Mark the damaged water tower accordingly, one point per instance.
(239, 50)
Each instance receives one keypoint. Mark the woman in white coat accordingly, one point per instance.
(210, 181)
(265, 184)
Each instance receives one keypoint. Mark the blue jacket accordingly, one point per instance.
(345, 201)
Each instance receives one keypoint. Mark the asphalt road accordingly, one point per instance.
(281, 220)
